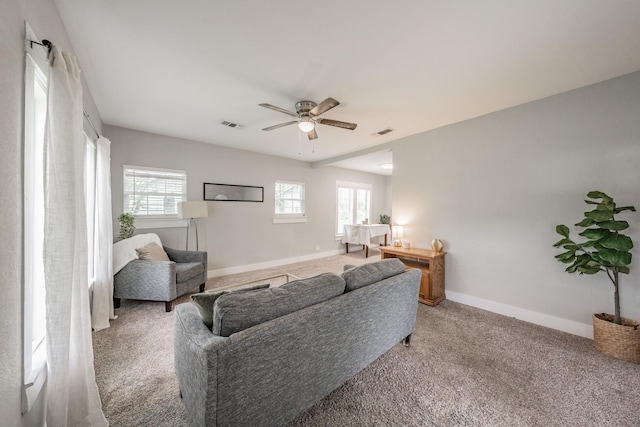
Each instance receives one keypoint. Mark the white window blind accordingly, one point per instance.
(153, 192)
(289, 202)
(289, 198)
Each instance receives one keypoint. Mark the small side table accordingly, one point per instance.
(430, 263)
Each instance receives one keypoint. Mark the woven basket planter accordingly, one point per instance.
(619, 341)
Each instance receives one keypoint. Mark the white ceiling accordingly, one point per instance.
(181, 68)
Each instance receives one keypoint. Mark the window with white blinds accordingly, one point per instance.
(153, 192)
(289, 202)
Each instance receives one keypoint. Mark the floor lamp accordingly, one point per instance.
(192, 210)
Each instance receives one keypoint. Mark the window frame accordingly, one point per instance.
(155, 221)
(281, 218)
(34, 366)
(355, 186)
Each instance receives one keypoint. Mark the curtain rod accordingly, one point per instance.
(91, 123)
(49, 46)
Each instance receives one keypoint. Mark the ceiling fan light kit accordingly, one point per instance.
(306, 124)
(307, 113)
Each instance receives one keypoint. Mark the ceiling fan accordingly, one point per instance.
(307, 113)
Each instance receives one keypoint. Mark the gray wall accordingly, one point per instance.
(44, 20)
(240, 233)
(493, 189)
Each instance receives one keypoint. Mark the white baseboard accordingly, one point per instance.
(553, 322)
(269, 264)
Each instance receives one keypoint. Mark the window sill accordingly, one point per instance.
(34, 384)
(144, 223)
(288, 220)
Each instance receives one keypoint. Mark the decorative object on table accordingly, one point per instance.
(607, 250)
(192, 211)
(406, 244)
(365, 221)
(126, 225)
(397, 236)
(436, 245)
(385, 219)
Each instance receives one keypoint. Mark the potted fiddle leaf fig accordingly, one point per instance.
(605, 249)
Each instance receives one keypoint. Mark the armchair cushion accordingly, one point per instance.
(152, 252)
(187, 270)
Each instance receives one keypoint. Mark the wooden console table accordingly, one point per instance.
(430, 263)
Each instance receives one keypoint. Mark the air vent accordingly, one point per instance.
(231, 124)
(383, 132)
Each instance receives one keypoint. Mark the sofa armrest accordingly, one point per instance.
(195, 364)
(180, 256)
(146, 280)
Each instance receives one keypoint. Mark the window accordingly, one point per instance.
(353, 204)
(152, 192)
(289, 202)
(35, 111)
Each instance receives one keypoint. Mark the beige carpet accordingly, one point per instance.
(465, 367)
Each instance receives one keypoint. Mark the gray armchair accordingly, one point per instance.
(161, 280)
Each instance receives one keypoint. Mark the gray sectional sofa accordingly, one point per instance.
(272, 353)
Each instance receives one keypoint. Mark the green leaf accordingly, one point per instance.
(599, 215)
(623, 269)
(587, 222)
(566, 255)
(615, 258)
(595, 233)
(587, 270)
(614, 225)
(618, 242)
(563, 242)
(599, 195)
(625, 208)
(571, 269)
(590, 243)
(562, 230)
(591, 202)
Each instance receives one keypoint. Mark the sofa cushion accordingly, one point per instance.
(152, 252)
(204, 301)
(238, 311)
(367, 274)
(187, 270)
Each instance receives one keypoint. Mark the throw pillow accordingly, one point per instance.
(367, 274)
(236, 312)
(204, 301)
(152, 252)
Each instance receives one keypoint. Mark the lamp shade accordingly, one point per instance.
(305, 124)
(193, 210)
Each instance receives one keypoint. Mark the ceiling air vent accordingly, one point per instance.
(383, 132)
(231, 124)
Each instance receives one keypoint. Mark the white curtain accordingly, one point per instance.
(102, 304)
(72, 393)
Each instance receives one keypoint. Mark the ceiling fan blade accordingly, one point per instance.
(280, 125)
(282, 110)
(312, 134)
(337, 123)
(324, 106)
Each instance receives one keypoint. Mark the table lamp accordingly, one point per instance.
(192, 211)
(397, 235)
